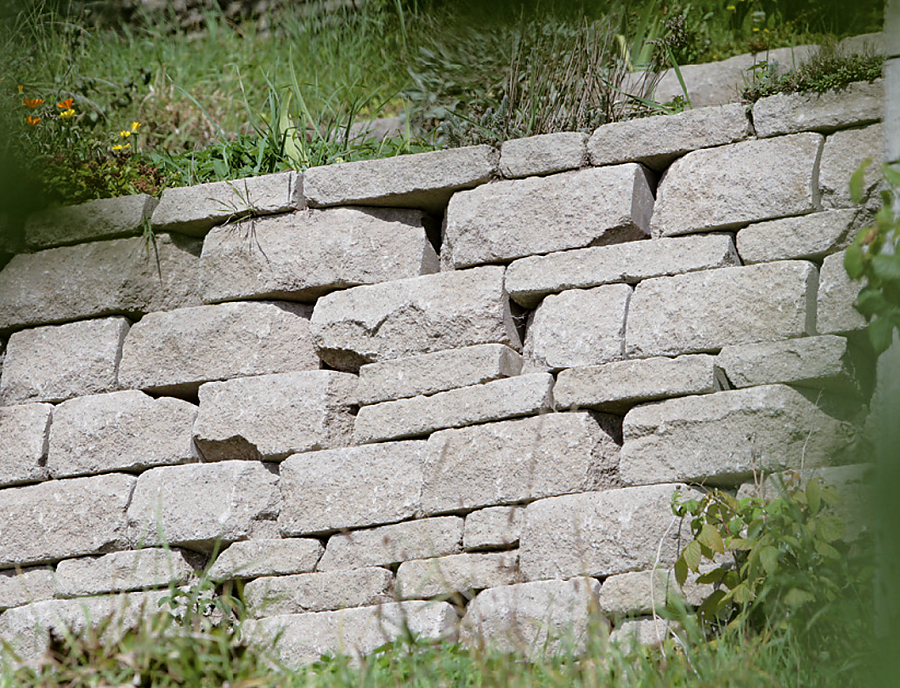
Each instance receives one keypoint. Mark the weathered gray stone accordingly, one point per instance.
(570, 210)
(726, 187)
(437, 372)
(252, 558)
(601, 533)
(24, 430)
(270, 417)
(420, 315)
(510, 397)
(642, 632)
(54, 363)
(198, 505)
(176, 352)
(544, 154)
(537, 620)
(494, 527)
(578, 327)
(870, 43)
(458, 573)
(807, 236)
(302, 255)
(721, 438)
(24, 586)
(100, 278)
(616, 387)
(122, 572)
(835, 311)
(318, 592)
(842, 155)
(63, 518)
(119, 431)
(704, 311)
(656, 141)
(518, 460)
(789, 113)
(638, 593)
(528, 280)
(107, 218)
(428, 537)
(195, 209)
(891, 72)
(424, 180)
(328, 490)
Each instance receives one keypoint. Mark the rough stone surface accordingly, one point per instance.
(656, 141)
(518, 460)
(424, 180)
(704, 311)
(252, 558)
(199, 504)
(356, 486)
(601, 533)
(528, 280)
(458, 573)
(24, 430)
(302, 255)
(54, 363)
(616, 387)
(789, 113)
(122, 572)
(99, 278)
(176, 352)
(318, 592)
(195, 209)
(428, 537)
(87, 517)
(119, 431)
(723, 188)
(836, 296)
(807, 236)
(844, 152)
(719, 439)
(437, 372)
(642, 632)
(25, 586)
(420, 315)
(107, 218)
(270, 417)
(578, 327)
(544, 154)
(571, 210)
(494, 527)
(638, 593)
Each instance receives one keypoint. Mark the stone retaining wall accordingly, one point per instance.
(455, 390)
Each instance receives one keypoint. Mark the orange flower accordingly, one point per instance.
(66, 104)
(20, 87)
(32, 120)
(32, 102)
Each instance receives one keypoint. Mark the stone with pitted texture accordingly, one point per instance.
(107, 218)
(458, 573)
(836, 297)
(24, 429)
(843, 154)
(19, 587)
(637, 593)
(543, 154)
(493, 528)
(252, 558)
(123, 572)
(807, 236)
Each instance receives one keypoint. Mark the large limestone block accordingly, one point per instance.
(616, 387)
(601, 533)
(493, 528)
(721, 438)
(63, 518)
(437, 372)
(537, 619)
(528, 280)
(423, 180)
(419, 315)
(704, 311)
(510, 397)
(842, 155)
(633, 634)
(198, 505)
(19, 587)
(107, 218)
(572, 210)
(836, 298)
(518, 460)
(123, 572)
(270, 417)
(329, 490)
(302, 255)
(195, 209)
(807, 236)
(637, 593)
(544, 154)
(656, 141)
(176, 352)
(723, 188)
(458, 573)
(119, 431)
(428, 537)
(252, 558)
(54, 363)
(303, 638)
(99, 278)
(578, 327)
(24, 430)
(318, 592)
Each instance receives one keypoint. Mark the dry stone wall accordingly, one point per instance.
(476, 432)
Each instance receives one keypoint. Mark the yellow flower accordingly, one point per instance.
(731, 8)
(135, 126)
(124, 134)
(119, 147)
(65, 114)
(756, 28)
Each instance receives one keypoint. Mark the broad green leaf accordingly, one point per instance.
(830, 528)
(742, 594)
(881, 334)
(741, 543)
(797, 598)
(827, 551)
(769, 558)
(713, 577)
(814, 496)
(681, 570)
(871, 301)
(856, 181)
(691, 555)
(853, 261)
(891, 174)
(709, 537)
(887, 266)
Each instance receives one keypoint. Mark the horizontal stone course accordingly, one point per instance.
(842, 155)
(24, 429)
(543, 154)
(123, 572)
(494, 527)
(835, 311)
(457, 573)
(106, 218)
(808, 236)
(263, 557)
(19, 587)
